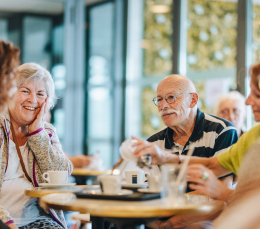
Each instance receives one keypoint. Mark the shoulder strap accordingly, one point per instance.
(19, 153)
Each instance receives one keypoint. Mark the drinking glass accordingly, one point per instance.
(172, 192)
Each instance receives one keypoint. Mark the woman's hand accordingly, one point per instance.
(149, 148)
(12, 226)
(206, 182)
(40, 118)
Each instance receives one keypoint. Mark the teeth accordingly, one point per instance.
(30, 108)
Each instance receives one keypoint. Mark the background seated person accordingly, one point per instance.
(231, 106)
(23, 129)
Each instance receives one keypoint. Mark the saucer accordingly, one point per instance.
(126, 185)
(123, 192)
(146, 190)
(47, 185)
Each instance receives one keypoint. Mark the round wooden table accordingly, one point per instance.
(82, 175)
(125, 213)
(39, 192)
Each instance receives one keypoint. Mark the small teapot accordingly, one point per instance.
(127, 150)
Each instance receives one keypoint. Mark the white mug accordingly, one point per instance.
(155, 183)
(135, 177)
(110, 184)
(56, 177)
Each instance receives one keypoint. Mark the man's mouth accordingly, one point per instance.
(30, 108)
(168, 114)
(164, 113)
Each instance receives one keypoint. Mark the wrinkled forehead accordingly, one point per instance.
(34, 83)
(171, 86)
(231, 103)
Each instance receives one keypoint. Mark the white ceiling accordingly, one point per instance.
(36, 6)
(51, 6)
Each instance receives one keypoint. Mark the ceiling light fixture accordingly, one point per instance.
(160, 9)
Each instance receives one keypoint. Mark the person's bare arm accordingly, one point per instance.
(12, 226)
(211, 163)
(160, 156)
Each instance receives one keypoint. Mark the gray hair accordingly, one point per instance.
(233, 95)
(33, 72)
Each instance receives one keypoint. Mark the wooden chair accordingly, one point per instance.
(81, 219)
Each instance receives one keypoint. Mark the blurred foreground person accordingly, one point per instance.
(9, 61)
(30, 147)
(243, 204)
(231, 106)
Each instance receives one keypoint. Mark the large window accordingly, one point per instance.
(210, 54)
(39, 33)
(100, 82)
(149, 59)
(211, 48)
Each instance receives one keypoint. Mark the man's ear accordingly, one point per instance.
(194, 100)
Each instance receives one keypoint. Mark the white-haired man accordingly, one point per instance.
(177, 103)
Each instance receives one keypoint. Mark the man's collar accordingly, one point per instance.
(197, 132)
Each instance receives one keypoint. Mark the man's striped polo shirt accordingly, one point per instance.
(211, 135)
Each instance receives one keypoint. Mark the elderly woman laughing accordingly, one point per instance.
(23, 131)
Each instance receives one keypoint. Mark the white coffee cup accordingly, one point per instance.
(56, 177)
(155, 183)
(110, 184)
(134, 177)
(127, 149)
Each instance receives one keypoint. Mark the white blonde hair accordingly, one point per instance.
(33, 72)
(233, 95)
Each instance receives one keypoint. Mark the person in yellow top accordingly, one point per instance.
(203, 172)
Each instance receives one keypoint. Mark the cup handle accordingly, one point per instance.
(46, 177)
(146, 175)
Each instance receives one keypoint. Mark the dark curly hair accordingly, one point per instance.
(9, 61)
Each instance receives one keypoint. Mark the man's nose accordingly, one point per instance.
(164, 104)
(231, 116)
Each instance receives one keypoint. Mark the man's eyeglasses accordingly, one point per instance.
(170, 98)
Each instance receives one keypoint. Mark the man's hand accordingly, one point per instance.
(158, 155)
(12, 226)
(208, 185)
(40, 118)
